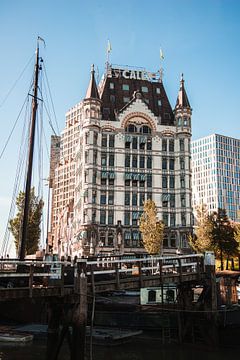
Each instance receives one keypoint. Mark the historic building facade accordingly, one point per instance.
(216, 174)
(123, 144)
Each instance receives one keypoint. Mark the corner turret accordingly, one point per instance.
(92, 91)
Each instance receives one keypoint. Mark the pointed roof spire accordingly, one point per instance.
(92, 91)
(182, 100)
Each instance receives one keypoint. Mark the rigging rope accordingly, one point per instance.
(16, 81)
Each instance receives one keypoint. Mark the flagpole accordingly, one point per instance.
(161, 68)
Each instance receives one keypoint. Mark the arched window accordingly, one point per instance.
(131, 128)
(145, 129)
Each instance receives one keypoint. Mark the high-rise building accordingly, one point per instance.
(216, 174)
(123, 144)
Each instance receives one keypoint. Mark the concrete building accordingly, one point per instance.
(121, 145)
(216, 174)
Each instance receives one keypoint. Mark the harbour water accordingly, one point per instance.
(139, 348)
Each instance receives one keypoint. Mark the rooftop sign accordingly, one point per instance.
(127, 73)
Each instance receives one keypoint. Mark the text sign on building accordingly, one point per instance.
(133, 74)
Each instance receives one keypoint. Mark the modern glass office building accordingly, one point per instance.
(216, 173)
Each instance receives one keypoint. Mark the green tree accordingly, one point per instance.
(151, 228)
(34, 222)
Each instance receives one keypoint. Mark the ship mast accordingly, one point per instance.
(23, 231)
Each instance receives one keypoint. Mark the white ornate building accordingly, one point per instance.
(123, 144)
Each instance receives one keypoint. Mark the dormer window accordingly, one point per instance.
(125, 87)
(144, 89)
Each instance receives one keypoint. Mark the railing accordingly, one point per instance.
(32, 274)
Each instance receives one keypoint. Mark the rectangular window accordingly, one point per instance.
(165, 218)
(182, 163)
(127, 218)
(134, 161)
(171, 164)
(149, 180)
(110, 197)
(94, 197)
(165, 200)
(144, 89)
(104, 140)
(183, 200)
(103, 159)
(127, 160)
(103, 181)
(173, 241)
(94, 177)
(103, 217)
(142, 162)
(171, 145)
(141, 199)
(164, 164)
(149, 144)
(110, 217)
(172, 182)
(127, 198)
(103, 197)
(134, 143)
(149, 195)
(125, 87)
(86, 157)
(126, 99)
(158, 91)
(111, 140)
(164, 144)
(159, 102)
(127, 144)
(111, 159)
(111, 85)
(181, 144)
(183, 219)
(94, 157)
(111, 182)
(164, 182)
(95, 138)
(134, 199)
(142, 183)
(134, 183)
(149, 162)
(127, 182)
(172, 219)
(94, 216)
(182, 182)
(172, 200)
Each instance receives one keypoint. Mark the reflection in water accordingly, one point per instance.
(137, 349)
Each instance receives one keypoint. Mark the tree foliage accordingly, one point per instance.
(201, 240)
(151, 228)
(214, 232)
(34, 222)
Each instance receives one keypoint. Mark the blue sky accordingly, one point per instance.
(198, 38)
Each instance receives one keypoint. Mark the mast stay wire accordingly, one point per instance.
(16, 81)
(51, 99)
(19, 174)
